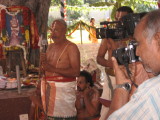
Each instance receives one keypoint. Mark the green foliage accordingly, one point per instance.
(136, 5)
(82, 11)
(101, 4)
(140, 5)
(93, 1)
(74, 2)
(73, 14)
(68, 2)
(77, 8)
(55, 2)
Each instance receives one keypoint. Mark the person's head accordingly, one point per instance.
(122, 11)
(84, 81)
(59, 28)
(147, 35)
(92, 20)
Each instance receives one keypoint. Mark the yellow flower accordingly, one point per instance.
(4, 38)
(27, 35)
(16, 48)
(7, 48)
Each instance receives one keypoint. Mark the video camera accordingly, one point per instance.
(119, 29)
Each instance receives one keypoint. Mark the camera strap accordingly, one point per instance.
(129, 75)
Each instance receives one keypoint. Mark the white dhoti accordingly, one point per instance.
(58, 98)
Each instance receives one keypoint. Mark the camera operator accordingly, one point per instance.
(122, 11)
(144, 103)
(107, 46)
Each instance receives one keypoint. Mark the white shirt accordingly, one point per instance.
(144, 104)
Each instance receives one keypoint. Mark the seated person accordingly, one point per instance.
(87, 99)
(90, 65)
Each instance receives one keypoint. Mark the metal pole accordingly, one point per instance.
(18, 79)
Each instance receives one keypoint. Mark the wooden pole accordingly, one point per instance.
(81, 32)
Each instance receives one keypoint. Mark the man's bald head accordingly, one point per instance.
(151, 24)
(61, 22)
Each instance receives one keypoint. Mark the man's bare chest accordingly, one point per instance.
(55, 56)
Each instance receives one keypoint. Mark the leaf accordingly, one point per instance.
(98, 4)
(120, 1)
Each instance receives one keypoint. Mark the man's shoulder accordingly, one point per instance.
(72, 45)
(153, 82)
(96, 90)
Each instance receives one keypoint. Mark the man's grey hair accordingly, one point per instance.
(152, 24)
(61, 21)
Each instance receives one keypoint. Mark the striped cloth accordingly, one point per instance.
(144, 104)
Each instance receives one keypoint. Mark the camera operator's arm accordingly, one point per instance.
(107, 45)
(140, 76)
(121, 96)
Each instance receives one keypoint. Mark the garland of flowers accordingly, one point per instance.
(17, 47)
(88, 27)
(74, 27)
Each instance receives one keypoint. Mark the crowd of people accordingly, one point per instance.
(68, 93)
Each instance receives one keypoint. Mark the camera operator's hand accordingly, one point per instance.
(120, 73)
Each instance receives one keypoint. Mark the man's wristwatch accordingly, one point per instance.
(126, 86)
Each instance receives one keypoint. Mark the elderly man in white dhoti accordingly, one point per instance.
(61, 64)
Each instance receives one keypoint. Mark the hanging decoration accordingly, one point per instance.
(73, 28)
(1, 7)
